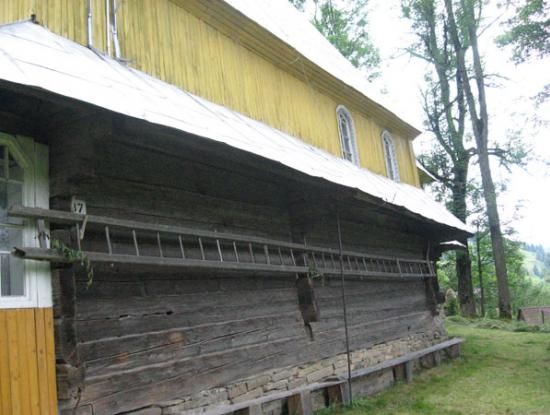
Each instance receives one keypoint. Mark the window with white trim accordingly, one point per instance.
(392, 168)
(23, 181)
(346, 129)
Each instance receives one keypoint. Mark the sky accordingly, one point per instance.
(509, 105)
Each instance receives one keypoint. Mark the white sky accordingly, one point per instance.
(509, 105)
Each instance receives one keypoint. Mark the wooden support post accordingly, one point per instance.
(409, 371)
(338, 394)
(437, 358)
(251, 410)
(300, 404)
(454, 350)
(399, 372)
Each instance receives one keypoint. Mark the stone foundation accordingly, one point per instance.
(293, 377)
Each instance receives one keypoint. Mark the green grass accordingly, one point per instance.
(529, 262)
(500, 372)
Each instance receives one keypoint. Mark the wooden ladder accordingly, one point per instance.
(113, 240)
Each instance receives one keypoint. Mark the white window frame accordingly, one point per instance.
(390, 157)
(342, 111)
(33, 158)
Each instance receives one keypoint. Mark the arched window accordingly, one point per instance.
(392, 167)
(346, 130)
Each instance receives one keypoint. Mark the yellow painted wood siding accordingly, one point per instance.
(170, 42)
(27, 362)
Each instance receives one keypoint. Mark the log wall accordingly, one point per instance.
(140, 337)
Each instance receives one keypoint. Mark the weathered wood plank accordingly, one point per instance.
(300, 404)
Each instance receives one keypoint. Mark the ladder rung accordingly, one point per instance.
(251, 253)
(281, 256)
(134, 236)
(266, 250)
(160, 245)
(236, 251)
(219, 249)
(182, 249)
(109, 247)
(292, 256)
(202, 249)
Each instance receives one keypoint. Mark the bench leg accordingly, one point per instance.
(437, 358)
(300, 404)
(454, 350)
(409, 371)
(251, 410)
(338, 394)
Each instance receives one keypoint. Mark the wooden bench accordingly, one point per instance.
(299, 399)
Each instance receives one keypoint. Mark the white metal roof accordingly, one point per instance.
(31, 55)
(284, 21)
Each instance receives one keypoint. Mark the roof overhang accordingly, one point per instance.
(31, 55)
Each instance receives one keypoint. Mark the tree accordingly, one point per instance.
(464, 18)
(448, 39)
(525, 291)
(528, 33)
(347, 29)
(446, 113)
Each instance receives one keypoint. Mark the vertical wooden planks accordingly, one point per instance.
(32, 358)
(27, 362)
(23, 358)
(41, 355)
(50, 357)
(5, 384)
(14, 374)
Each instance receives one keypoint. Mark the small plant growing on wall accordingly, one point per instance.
(73, 255)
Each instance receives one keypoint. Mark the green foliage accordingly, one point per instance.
(299, 4)
(528, 32)
(451, 303)
(493, 324)
(537, 261)
(525, 290)
(73, 255)
(346, 26)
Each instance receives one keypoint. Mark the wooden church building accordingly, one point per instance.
(205, 209)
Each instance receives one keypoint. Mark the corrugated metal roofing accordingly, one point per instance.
(284, 21)
(31, 55)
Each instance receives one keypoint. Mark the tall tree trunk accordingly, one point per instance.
(480, 128)
(504, 303)
(465, 286)
(463, 265)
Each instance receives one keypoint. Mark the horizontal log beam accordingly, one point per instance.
(52, 255)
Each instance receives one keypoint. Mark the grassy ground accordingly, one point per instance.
(500, 372)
